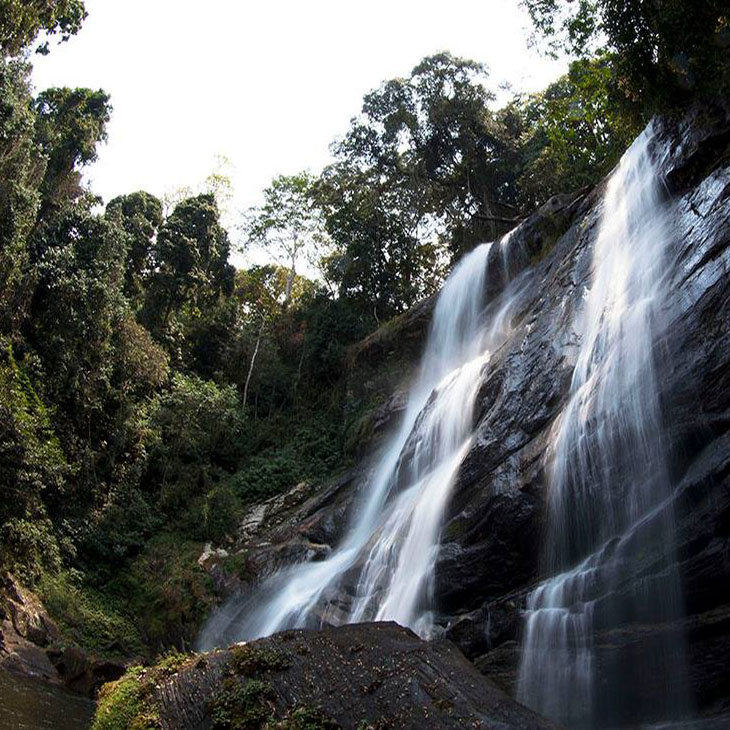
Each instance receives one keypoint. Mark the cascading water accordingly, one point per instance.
(394, 549)
(398, 572)
(609, 514)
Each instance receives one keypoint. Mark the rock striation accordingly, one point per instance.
(357, 676)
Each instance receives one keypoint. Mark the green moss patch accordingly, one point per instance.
(130, 702)
(242, 705)
(124, 704)
(88, 619)
(248, 660)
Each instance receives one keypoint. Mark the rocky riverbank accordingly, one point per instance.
(32, 645)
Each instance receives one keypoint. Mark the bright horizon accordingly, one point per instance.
(269, 87)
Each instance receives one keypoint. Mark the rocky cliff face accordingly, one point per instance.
(489, 557)
(490, 552)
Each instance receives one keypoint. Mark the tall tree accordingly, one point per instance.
(379, 262)
(434, 137)
(21, 171)
(259, 295)
(425, 163)
(76, 304)
(70, 125)
(288, 226)
(191, 261)
(140, 215)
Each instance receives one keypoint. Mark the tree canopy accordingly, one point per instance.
(665, 52)
(425, 165)
(21, 21)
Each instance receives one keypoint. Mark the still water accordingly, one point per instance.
(27, 704)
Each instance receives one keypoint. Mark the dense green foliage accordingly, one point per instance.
(126, 342)
(666, 51)
(22, 20)
(572, 133)
(21, 169)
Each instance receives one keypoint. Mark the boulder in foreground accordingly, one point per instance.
(360, 676)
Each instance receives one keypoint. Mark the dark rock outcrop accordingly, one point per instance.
(359, 676)
(489, 559)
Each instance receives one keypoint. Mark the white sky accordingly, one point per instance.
(268, 84)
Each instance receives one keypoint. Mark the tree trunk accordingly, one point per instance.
(289, 284)
(299, 373)
(253, 360)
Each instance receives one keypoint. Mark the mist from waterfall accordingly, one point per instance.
(393, 538)
(609, 510)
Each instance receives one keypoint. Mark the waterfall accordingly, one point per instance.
(393, 537)
(609, 512)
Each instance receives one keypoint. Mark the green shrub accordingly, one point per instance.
(117, 530)
(220, 513)
(32, 470)
(27, 548)
(165, 590)
(122, 704)
(88, 618)
(308, 449)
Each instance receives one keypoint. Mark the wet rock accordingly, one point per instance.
(32, 645)
(695, 143)
(366, 675)
(300, 525)
(26, 614)
(83, 673)
(25, 631)
(493, 530)
(501, 666)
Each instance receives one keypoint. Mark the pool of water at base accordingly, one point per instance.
(29, 704)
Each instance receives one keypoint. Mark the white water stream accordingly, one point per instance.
(607, 466)
(610, 525)
(393, 538)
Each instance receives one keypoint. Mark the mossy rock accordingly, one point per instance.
(131, 703)
(374, 676)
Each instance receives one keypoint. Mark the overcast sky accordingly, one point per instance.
(268, 84)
